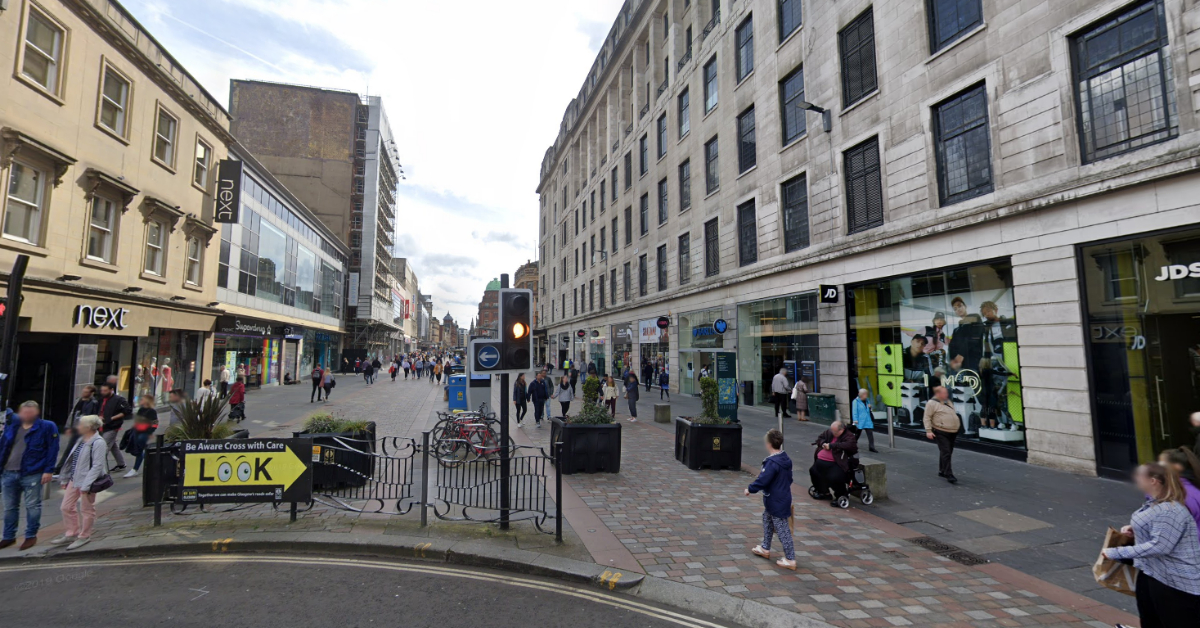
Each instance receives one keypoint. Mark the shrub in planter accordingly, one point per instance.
(341, 440)
(708, 440)
(591, 440)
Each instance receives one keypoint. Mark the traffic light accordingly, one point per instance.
(516, 329)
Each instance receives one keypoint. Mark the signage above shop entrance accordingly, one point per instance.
(829, 294)
(100, 317)
(1178, 271)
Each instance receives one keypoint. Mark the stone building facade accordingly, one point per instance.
(1001, 191)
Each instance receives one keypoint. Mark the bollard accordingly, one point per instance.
(424, 479)
(662, 413)
(156, 479)
(292, 513)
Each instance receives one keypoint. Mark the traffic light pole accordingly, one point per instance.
(8, 349)
(505, 470)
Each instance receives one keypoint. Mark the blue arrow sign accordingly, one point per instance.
(488, 357)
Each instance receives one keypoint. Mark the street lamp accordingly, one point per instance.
(826, 115)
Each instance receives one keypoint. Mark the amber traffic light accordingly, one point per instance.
(516, 327)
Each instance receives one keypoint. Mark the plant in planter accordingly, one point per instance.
(708, 440)
(591, 440)
(345, 445)
(203, 419)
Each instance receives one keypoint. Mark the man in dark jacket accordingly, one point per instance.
(836, 446)
(574, 376)
(28, 449)
(775, 482)
(114, 409)
(538, 394)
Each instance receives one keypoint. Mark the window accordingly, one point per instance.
(602, 291)
(591, 295)
(643, 154)
(114, 102)
(644, 214)
(789, 18)
(42, 56)
(603, 190)
(662, 135)
(102, 229)
(592, 249)
(628, 226)
(747, 234)
(593, 215)
(712, 254)
(661, 263)
(603, 239)
(856, 44)
(194, 254)
(628, 292)
(642, 288)
(628, 170)
(26, 202)
(614, 234)
(712, 179)
(960, 130)
(744, 59)
(577, 262)
(747, 154)
(685, 185)
(156, 244)
(791, 94)
(1123, 82)
(662, 201)
(574, 301)
(612, 282)
(685, 258)
(203, 160)
(685, 116)
(165, 130)
(576, 222)
(951, 19)
(864, 187)
(710, 84)
(795, 213)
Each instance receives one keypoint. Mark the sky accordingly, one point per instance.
(474, 90)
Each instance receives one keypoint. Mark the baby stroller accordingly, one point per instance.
(237, 412)
(857, 484)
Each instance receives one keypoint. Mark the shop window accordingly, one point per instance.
(949, 20)
(964, 149)
(795, 213)
(1185, 253)
(856, 45)
(773, 334)
(747, 234)
(864, 187)
(26, 203)
(1120, 271)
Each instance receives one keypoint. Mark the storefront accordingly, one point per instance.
(622, 347)
(654, 343)
(597, 342)
(774, 334)
(319, 349)
(254, 349)
(954, 328)
(1142, 304)
(701, 336)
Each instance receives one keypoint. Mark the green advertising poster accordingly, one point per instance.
(727, 400)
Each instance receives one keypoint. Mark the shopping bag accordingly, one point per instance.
(1114, 574)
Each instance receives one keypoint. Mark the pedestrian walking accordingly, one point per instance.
(205, 392)
(223, 381)
(175, 400)
(367, 371)
(831, 462)
(1186, 466)
(316, 384)
(1166, 551)
(538, 393)
(574, 377)
(345, 365)
(145, 422)
(84, 470)
(519, 397)
(28, 449)
(648, 374)
(237, 401)
(393, 370)
(87, 404)
(406, 366)
(358, 362)
(418, 368)
(114, 409)
(565, 394)
(774, 481)
(942, 425)
(610, 395)
(631, 394)
(800, 398)
(779, 393)
(860, 415)
(664, 385)
(327, 383)
(376, 367)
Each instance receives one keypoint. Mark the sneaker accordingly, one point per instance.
(539, 425)
(120, 468)
(782, 562)
(133, 473)
(78, 544)
(59, 540)
(759, 551)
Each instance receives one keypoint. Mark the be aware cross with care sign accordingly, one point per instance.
(246, 470)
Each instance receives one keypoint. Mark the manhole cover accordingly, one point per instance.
(951, 552)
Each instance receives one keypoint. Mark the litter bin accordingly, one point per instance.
(748, 393)
(822, 407)
(457, 390)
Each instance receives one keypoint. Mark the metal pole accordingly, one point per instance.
(16, 279)
(558, 498)
(424, 479)
(891, 429)
(292, 513)
(156, 479)
(505, 454)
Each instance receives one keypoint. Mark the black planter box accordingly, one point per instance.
(715, 446)
(168, 479)
(586, 448)
(341, 465)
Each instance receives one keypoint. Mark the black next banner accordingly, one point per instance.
(229, 191)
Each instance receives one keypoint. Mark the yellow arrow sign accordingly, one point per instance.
(257, 468)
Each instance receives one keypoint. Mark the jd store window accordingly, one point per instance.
(955, 328)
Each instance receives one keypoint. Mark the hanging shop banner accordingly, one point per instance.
(727, 401)
(229, 191)
(246, 470)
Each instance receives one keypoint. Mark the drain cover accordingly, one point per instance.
(956, 554)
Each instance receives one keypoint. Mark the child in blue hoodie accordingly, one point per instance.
(775, 482)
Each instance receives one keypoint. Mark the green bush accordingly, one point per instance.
(326, 423)
(591, 389)
(201, 420)
(708, 404)
(592, 413)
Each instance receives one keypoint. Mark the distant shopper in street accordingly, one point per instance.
(316, 384)
(345, 365)
(367, 372)
(237, 400)
(327, 383)
(393, 369)
(942, 424)
(223, 381)
(174, 410)
(539, 394)
(87, 404)
(1186, 466)
(800, 396)
(404, 364)
(85, 465)
(145, 421)
(28, 449)
(565, 394)
(574, 378)
(1166, 551)
(648, 374)
(632, 393)
(520, 397)
(114, 409)
(376, 367)
(610, 395)
(831, 463)
(775, 483)
(860, 415)
(779, 392)
(664, 385)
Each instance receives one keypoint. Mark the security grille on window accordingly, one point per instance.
(951, 19)
(791, 95)
(662, 135)
(963, 146)
(662, 201)
(628, 226)
(685, 185)
(789, 18)
(864, 187)
(710, 84)
(712, 179)
(661, 262)
(642, 276)
(795, 213)
(1124, 87)
(747, 234)
(685, 258)
(747, 147)
(712, 255)
(744, 59)
(685, 114)
(644, 214)
(643, 154)
(856, 44)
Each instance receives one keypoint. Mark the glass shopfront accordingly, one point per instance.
(955, 328)
(699, 340)
(598, 349)
(774, 334)
(655, 346)
(167, 360)
(1142, 302)
(622, 348)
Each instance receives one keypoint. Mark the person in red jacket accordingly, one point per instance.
(237, 400)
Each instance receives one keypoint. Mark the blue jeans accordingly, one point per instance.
(140, 440)
(13, 484)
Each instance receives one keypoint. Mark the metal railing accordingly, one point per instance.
(642, 114)
(712, 24)
(662, 87)
(687, 57)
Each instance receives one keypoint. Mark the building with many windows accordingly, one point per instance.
(999, 192)
(486, 324)
(108, 152)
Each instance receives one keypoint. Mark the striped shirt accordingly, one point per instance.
(1167, 547)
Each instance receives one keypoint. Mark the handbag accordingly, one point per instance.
(102, 483)
(1114, 574)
